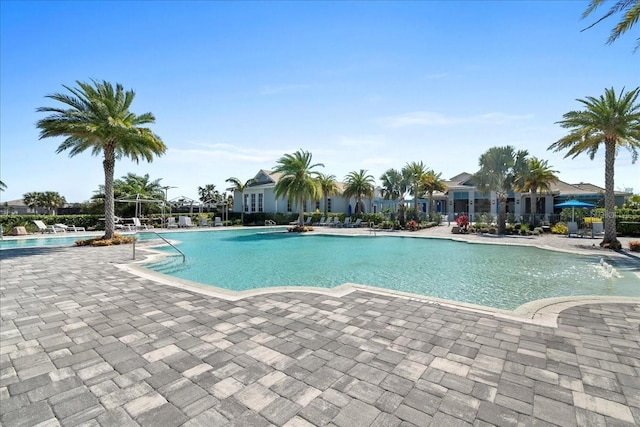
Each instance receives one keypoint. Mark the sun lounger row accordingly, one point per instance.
(55, 228)
(335, 222)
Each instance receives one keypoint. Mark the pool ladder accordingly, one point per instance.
(184, 258)
(372, 229)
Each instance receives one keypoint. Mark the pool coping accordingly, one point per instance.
(542, 312)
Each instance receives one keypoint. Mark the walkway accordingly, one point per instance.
(86, 343)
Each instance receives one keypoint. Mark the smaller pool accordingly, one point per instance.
(43, 241)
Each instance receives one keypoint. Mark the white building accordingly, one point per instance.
(461, 197)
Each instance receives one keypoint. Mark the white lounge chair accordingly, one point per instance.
(184, 221)
(321, 222)
(120, 225)
(204, 222)
(296, 222)
(171, 222)
(335, 222)
(43, 228)
(217, 222)
(308, 221)
(572, 227)
(346, 222)
(597, 228)
(356, 224)
(139, 226)
(69, 227)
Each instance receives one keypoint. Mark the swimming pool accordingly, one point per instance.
(42, 241)
(491, 275)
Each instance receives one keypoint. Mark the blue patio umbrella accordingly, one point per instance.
(350, 210)
(573, 204)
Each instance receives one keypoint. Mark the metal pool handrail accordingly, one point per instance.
(184, 258)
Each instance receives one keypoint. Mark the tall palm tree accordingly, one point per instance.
(98, 119)
(3, 186)
(137, 187)
(329, 187)
(498, 171)
(299, 182)
(631, 11)
(415, 171)
(52, 201)
(33, 200)
(394, 187)
(239, 186)
(536, 178)
(610, 120)
(359, 185)
(208, 194)
(431, 182)
(132, 185)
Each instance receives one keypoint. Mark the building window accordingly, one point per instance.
(288, 205)
(329, 205)
(305, 206)
(318, 205)
(253, 203)
(246, 202)
(260, 202)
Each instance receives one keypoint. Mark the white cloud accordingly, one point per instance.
(430, 118)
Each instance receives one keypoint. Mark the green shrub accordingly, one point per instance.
(99, 241)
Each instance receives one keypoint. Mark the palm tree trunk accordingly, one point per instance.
(534, 206)
(502, 217)
(109, 204)
(430, 202)
(242, 208)
(609, 239)
(326, 200)
(301, 212)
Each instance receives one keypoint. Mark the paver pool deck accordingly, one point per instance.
(86, 342)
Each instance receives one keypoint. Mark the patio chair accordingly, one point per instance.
(597, 228)
(335, 222)
(43, 228)
(355, 224)
(572, 227)
(217, 222)
(321, 222)
(308, 221)
(296, 222)
(171, 222)
(139, 226)
(69, 227)
(346, 222)
(184, 221)
(204, 222)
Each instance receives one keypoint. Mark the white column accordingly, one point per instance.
(472, 199)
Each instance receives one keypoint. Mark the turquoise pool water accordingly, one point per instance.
(490, 275)
(38, 242)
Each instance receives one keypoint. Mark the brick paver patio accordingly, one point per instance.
(85, 343)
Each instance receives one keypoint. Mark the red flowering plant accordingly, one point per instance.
(463, 222)
(412, 225)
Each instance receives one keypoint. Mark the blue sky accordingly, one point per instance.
(361, 85)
